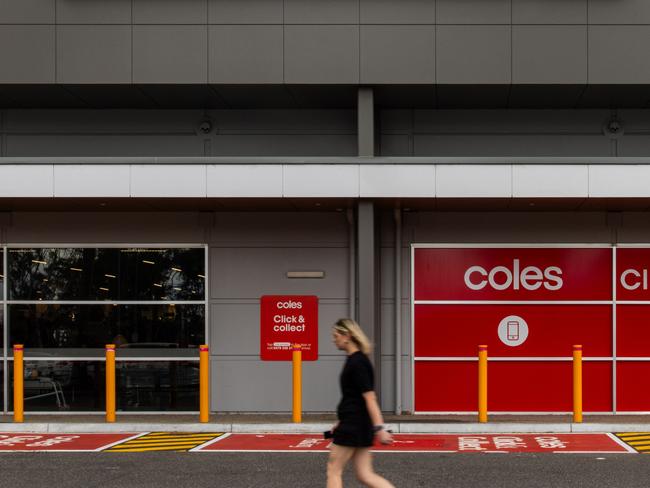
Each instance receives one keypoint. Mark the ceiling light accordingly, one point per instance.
(110, 276)
(178, 289)
(76, 269)
(200, 276)
(147, 262)
(36, 261)
(158, 285)
(177, 269)
(103, 289)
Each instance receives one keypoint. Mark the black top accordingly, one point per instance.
(357, 378)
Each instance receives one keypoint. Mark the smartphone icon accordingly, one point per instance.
(513, 330)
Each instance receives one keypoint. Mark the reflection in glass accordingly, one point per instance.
(157, 386)
(62, 386)
(58, 329)
(135, 274)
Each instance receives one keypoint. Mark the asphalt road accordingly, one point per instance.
(239, 470)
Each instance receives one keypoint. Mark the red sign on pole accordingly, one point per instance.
(287, 320)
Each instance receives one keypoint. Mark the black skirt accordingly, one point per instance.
(350, 433)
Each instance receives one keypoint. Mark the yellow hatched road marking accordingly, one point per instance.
(640, 441)
(165, 441)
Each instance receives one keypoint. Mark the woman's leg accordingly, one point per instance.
(365, 474)
(339, 457)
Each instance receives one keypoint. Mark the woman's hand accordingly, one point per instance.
(384, 437)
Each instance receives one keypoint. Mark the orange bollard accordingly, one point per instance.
(19, 412)
(204, 384)
(297, 383)
(577, 384)
(482, 384)
(110, 382)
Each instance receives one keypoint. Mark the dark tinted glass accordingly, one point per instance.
(62, 386)
(157, 385)
(84, 330)
(87, 274)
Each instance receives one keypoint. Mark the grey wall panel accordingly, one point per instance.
(170, 54)
(512, 227)
(235, 328)
(634, 145)
(268, 388)
(619, 12)
(284, 145)
(321, 11)
(299, 121)
(280, 229)
(549, 54)
(473, 54)
(170, 11)
(509, 121)
(635, 120)
(622, 61)
(238, 273)
(397, 54)
(93, 54)
(93, 12)
(27, 54)
(403, 12)
(27, 11)
(473, 11)
(102, 121)
(388, 271)
(105, 228)
(549, 11)
(248, 12)
(321, 54)
(388, 384)
(388, 329)
(634, 228)
(108, 145)
(246, 54)
(395, 145)
(512, 145)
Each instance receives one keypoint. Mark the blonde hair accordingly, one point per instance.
(351, 328)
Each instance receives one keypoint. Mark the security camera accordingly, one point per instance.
(205, 127)
(613, 128)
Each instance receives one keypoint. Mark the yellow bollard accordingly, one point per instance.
(204, 384)
(482, 384)
(577, 384)
(19, 413)
(110, 382)
(297, 383)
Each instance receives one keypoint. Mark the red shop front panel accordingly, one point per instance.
(513, 386)
(632, 330)
(509, 274)
(633, 386)
(530, 330)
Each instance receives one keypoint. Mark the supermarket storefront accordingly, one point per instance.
(530, 305)
(64, 303)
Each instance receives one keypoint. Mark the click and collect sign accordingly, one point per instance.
(286, 320)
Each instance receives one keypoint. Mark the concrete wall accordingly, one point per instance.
(324, 41)
(321, 133)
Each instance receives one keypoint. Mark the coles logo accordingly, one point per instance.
(505, 277)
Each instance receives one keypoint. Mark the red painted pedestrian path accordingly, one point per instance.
(218, 442)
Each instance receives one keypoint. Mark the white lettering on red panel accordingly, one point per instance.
(501, 277)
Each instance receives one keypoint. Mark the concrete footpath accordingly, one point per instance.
(316, 423)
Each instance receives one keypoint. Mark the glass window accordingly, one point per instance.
(86, 274)
(83, 330)
(62, 385)
(2, 275)
(157, 385)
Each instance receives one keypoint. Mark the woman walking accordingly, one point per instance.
(360, 418)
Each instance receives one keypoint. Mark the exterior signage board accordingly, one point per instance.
(530, 305)
(286, 320)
